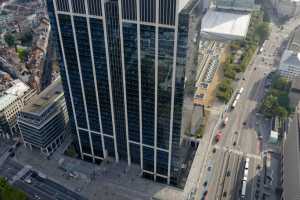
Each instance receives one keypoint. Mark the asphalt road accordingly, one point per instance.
(39, 188)
(45, 189)
(10, 169)
(238, 140)
(241, 128)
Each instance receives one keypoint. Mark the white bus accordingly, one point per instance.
(243, 191)
(247, 163)
(237, 96)
(241, 90)
(245, 175)
(234, 104)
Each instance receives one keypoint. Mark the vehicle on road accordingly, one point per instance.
(10, 149)
(234, 104)
(225, 120)
(218, 136)
(209, 168)
(241, 90)
(37, 197)
(28, 180)
(247, 160)
(243, 191)
(228, 173)
(214, 150)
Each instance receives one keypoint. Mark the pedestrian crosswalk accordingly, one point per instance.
(236, 151)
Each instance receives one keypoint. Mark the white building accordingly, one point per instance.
(290, 61)
(219, 25)
(290, 64)
(11, 103)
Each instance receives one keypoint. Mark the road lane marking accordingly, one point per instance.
(238, 152)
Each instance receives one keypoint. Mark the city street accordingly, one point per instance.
(37, 187)
(222, 173)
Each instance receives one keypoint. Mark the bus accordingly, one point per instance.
(241, 90)
(234, 104)
(247, 163)
(243, 191)
(245, 178)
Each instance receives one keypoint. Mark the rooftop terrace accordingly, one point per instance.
(42, 101)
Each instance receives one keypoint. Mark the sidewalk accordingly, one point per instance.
(107, 181)
(199, 160)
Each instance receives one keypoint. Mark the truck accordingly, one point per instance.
(218, 136)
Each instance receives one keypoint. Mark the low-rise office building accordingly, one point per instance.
(290, 65)
(290, 61)
(43, 122)
(224, 26)
(12, 101)
(294, 94)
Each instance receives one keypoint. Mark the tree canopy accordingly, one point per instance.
(276, 102)
(262, 31)
(225, 90)
(8, 192)
(10, 39)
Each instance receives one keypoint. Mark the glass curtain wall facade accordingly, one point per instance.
(122, 66)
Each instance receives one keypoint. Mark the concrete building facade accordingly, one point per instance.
(43, 122)
(12, 102)
(290, 61)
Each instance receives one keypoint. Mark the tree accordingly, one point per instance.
(71, 151)
(10, 39)
(8, 192)
(229, 72)
(224, 85)
(281, 83)
(281, 112)
(26, 37)
(283, 100)
(22, 54)
(268, 105)
(262, 31)
(225, 90)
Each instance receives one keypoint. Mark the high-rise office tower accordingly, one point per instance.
(122, 66)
